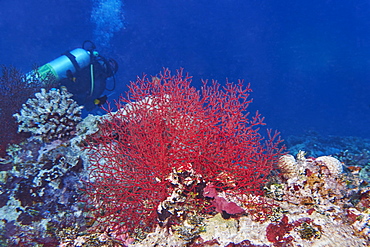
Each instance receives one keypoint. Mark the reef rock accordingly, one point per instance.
(314, 204)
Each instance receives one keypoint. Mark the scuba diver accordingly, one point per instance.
(84, 72)
(88, 84)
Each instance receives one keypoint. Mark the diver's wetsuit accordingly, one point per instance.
(84, 90)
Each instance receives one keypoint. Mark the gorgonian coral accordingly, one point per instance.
(163, 124)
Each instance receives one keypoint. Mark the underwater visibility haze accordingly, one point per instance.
(175, 152)
(308, 63)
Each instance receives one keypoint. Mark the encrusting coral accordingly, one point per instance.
(49, 116)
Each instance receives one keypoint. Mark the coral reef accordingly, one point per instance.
(292, 168)
(41, 190)
(316, 208)
(323, 145)
(51, 115)
(41, 204)
(165, 124)
(316, 181)
(353, 152)
(201, 199)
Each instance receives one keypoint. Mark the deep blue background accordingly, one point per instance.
(308, 61)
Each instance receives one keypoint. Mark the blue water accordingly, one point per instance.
(308, 61)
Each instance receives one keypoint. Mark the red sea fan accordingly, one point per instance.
(164, 124)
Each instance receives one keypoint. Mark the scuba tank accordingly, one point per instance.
(58, 69)
(83, 71)
(72, 62)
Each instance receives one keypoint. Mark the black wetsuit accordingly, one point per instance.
(84, 90)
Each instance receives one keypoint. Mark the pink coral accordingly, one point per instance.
(164, 124)
(220, 203)
(277, 232)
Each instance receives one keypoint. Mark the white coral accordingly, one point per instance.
(334, 166)
(288, 165)
(49, 116)
(291, 167)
